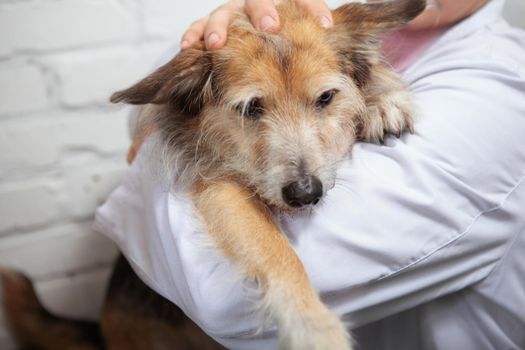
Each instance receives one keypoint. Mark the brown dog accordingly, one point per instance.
(263, 123)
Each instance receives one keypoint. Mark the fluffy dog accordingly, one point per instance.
(262, 124)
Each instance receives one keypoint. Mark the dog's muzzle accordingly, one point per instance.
(307, 190)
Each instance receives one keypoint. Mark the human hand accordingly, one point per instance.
(262, 13)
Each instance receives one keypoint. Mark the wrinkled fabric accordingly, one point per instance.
(419, 245)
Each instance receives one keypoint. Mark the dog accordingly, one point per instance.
(261, 125)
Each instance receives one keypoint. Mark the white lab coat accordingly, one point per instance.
(421, 243)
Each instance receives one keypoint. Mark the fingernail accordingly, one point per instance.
(185, 44)
(213, 39)
(325, 22)
(267, 22)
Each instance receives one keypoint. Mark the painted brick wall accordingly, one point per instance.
(62, 146)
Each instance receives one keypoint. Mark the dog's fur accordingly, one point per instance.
(133, 317)
(240, 123)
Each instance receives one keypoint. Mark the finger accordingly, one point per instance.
(263, 15)
(194, 34)
(320, 10)
(216, 30)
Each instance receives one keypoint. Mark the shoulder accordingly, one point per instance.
(485, 43)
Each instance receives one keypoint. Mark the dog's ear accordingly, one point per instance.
(358, 28)
(184, 83)
(378, 15)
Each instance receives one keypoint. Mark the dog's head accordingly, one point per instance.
(274, 111)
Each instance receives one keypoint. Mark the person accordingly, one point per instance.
(419, 245)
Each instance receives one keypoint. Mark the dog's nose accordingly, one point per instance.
(307, 190)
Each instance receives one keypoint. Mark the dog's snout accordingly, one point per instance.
(307, 190)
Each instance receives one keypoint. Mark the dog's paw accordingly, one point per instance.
(391, 114)
(325, 331)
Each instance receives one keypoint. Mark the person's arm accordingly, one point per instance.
(213, 29)
(408, 222)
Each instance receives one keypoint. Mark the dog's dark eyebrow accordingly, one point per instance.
(361, 68)
(356, 65)
(284, 60)
(281, 47)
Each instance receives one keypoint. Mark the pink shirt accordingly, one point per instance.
(402, 48)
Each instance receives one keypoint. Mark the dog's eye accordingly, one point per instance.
(253, 110)
(325, 99)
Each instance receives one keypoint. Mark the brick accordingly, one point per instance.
(102, 132)
(43, 141)
(28, 204)
(92, 78)
(89, 186)
(49, 25)
(39, 202)
(27, 144)
(22, 89)
(58, 250)
(77, 296)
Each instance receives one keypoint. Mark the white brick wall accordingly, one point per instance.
(21, 81)
(62, 147)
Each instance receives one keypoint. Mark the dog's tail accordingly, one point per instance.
(34, 327)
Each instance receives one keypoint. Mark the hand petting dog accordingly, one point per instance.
(213, 29)
(262, 13)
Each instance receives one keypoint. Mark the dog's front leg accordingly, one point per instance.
(389, 106)
(245, 230)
